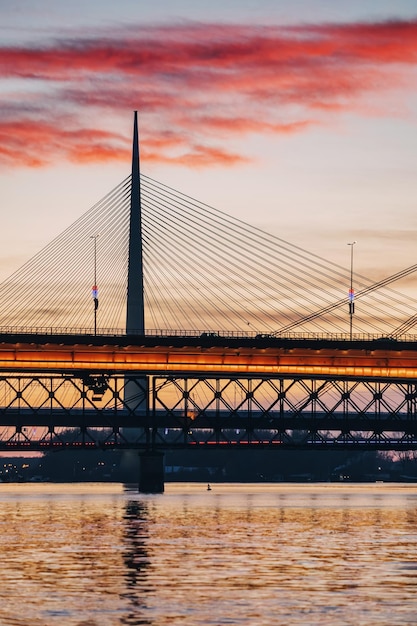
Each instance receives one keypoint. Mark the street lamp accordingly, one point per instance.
(95, 288)
(351, 291)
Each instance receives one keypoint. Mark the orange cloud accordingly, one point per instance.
(192, 84)
(203, 156)
(50, 141)
(242, 125)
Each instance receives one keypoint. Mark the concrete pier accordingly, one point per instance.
(151, 472)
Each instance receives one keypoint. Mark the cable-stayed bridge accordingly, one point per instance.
(202, 271)
(156, 321)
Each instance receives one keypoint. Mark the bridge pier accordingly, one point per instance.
(151, 472)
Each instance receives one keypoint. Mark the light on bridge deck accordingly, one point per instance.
(355, 362)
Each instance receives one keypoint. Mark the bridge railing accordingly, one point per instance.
(203, 334)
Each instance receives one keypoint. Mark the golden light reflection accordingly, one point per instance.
(90, 551)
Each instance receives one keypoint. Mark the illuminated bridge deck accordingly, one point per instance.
(381, 358)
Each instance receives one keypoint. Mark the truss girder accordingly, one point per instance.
(71, 410)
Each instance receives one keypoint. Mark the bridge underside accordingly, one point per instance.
(67, 410)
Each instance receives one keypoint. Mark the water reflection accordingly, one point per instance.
(241, 554)
(137, 561)
(276, 556)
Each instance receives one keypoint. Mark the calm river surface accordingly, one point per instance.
(102, 554)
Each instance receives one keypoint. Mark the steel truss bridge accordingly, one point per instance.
(64, 392)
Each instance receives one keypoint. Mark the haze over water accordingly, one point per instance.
(102, 554)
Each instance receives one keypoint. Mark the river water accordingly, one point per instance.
(102, 554)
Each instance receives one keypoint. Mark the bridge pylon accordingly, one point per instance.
(135, 310)
(136, 391)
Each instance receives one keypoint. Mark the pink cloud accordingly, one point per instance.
(198, 157)
(50, 142)
(193, 84)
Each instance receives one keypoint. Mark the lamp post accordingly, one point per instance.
(95, 288)
(351, 292)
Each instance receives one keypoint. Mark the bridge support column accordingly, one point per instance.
(151, 472)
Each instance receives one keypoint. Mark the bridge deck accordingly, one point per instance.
(383, 359)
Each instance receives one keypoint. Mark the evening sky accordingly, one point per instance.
(298, 117)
